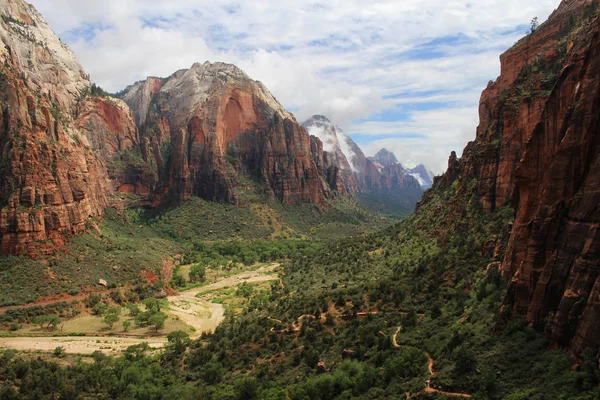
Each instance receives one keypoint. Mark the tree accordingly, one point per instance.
(59, 352)
(178, 341)
(534, 24)
(99, 309)
(244, 290)
(152, 304)
(178, 280)
(52, 321)
(465, 361)
(126, 325)
(246, 388)
(143, 318)
(111, 320)
(114, 311)
(197, 273)
(134, 310)
(411, 319)
(157, 321)
(40, 321)
(212, 372)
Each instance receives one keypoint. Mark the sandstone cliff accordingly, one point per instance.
(52, 180)
(538, 151)
(222, 128)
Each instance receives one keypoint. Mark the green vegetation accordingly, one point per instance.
(393, 204)
(329, 331)
(111, 320)
(117, 253)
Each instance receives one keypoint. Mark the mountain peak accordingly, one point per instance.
(384, 157)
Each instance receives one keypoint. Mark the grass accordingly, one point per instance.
(91, 325)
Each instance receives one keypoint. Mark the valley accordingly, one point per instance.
(189, 238)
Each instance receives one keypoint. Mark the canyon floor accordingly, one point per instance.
(190, 310)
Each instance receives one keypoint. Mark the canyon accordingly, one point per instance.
(68, 153)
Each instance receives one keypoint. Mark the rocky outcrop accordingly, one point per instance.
(554, 249)
(108, 125)
(51, 182)
(538, 151)
(221, 127)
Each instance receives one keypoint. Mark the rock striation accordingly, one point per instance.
(52, 180)
(538, 151)
(223, 127)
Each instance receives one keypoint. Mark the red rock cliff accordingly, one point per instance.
(223, 127)
(538, 151)
(51, 182)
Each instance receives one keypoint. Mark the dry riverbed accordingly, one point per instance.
(189, 307)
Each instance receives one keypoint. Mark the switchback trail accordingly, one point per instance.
(432, 373)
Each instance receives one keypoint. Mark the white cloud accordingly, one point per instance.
(428, 136)
(346, 59)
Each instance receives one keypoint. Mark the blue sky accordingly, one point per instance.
(400, 74)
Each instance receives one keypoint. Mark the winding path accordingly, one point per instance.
(432, 373)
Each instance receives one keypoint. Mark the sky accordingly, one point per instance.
(401, 74)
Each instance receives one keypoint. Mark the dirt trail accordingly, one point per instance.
(296, 325)
(432, 373)
(394, 340)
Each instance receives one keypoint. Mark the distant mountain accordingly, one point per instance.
(382, 185)
(424, 176)
(384, 158)
(350, 158)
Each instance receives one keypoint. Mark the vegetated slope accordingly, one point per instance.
(127, 243)
(326, 331)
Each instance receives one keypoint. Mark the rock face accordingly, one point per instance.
(222, 126)
(67, 147)
(538, 150)
(384, 158)
(51, 181)
(357, 172)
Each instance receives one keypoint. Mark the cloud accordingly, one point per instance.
(374, 68)
(425, 138)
